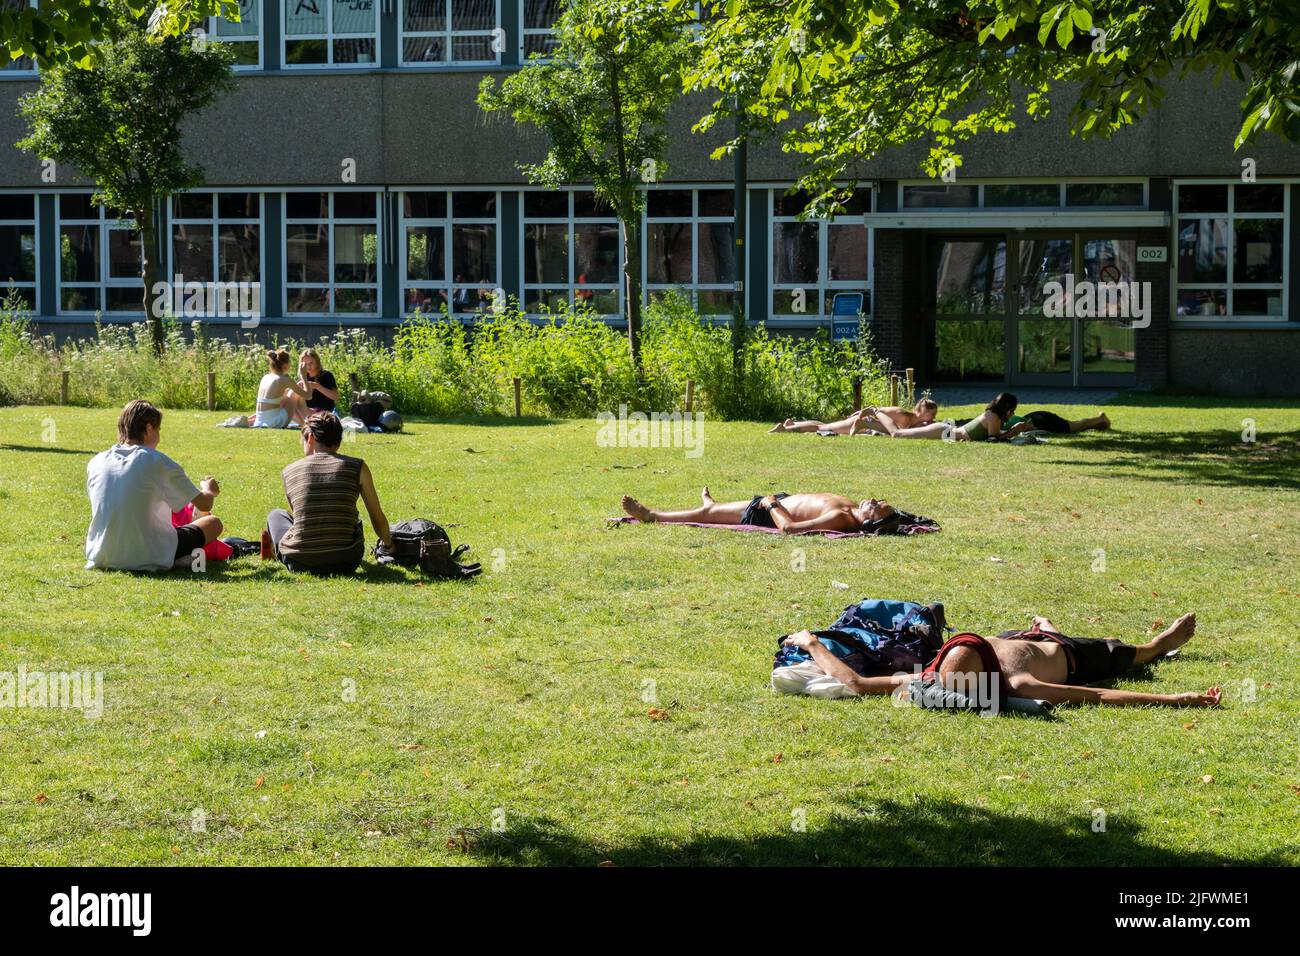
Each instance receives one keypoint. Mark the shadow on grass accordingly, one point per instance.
(1211, 457)
(927, 832)
(48, 450)
(242, 569)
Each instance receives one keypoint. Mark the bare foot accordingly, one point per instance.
(1043, 624)
(782, 426)
(705, 497)
(1176, 635)
(1105, 422)
(637, 510)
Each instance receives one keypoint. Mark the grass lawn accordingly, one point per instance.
(508, 719)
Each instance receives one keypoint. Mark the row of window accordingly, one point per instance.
(1231, 244)
(448, 250)
(346, 33)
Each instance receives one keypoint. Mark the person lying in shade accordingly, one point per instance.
(1051, 422)
(1039, 664)
(789, 514)
(922, 413)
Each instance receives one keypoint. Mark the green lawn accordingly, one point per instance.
(520, 702)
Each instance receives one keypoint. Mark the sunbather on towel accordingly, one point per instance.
(1040, 664)
(921, 414)
(790, 514)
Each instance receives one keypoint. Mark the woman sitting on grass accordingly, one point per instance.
(989, 424)
(319, 385)
(321, 532)
(277, 394)
(921, 414)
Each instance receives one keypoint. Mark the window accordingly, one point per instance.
(1232, 250)
(813, 259)
(537, 35)
(1119, 194)
(100, 259)
(216, 237)
(572, 253)
(449, 252)
(690, 245)
(332, 253)
(24, 65)
(451, 31)
(18, 248)
(244, 37)
(330, 33)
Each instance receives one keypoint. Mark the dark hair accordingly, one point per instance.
(925, 404)
(135, 418)
(325, 428)
(278, 359)
(1003, 406)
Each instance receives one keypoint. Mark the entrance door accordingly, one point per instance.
(987, 309)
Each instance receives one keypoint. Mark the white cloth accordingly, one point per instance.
(271, 418)
(133, 491)
(807, 678)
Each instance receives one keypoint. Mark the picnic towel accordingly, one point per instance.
(911, 524)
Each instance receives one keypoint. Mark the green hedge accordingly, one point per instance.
(570, 365)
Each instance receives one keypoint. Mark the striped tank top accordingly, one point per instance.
(322, 490)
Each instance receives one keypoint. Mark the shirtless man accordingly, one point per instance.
(1040, 664)
(790, 514)
(858, 423)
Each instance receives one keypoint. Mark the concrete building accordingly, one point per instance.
(354, 177)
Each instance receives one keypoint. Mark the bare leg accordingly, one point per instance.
(785, 426)
(296, 407)
(1174, 636)
(1098, 422)
(790, 425)
(711, 512)
(211, 526)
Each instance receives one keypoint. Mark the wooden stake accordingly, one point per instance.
(690, 395)
(857, 392)
(911, 386)
(63, 388)
(893, 389)
(518, 402)
(212, 391)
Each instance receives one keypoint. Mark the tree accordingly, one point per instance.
(842, 80)
(601, 99)
(68, 31)
(119, 122)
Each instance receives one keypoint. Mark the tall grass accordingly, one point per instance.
(571, 364)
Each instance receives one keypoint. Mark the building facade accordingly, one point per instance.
(353, 176)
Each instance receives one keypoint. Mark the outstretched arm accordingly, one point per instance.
(1024, 686)
(846, 675)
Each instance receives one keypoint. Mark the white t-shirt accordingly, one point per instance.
(133, 491)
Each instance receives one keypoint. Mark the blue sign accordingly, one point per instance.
(846, 310)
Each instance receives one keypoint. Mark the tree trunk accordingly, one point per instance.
(632, 283)
(150, 274)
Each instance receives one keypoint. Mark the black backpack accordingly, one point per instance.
(422, 543)
(368, 412)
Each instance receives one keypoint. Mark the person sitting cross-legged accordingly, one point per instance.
(789, 514)
(133, 490)
(322, 532)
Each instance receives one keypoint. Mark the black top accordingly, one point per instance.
(318, 400)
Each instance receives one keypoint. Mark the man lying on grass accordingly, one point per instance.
(790, 514)
(1040, 664)
(133, 489)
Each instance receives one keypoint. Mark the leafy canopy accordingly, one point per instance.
(842, 80)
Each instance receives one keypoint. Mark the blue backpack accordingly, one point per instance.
(878, 637)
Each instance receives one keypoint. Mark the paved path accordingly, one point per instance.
(966, 395)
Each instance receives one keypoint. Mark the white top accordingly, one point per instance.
(267, 393)
(133, 491)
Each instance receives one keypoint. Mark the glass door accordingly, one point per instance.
(1043, 346)
(1107, 342)
(967, 305)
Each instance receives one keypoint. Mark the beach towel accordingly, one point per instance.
(910, 525)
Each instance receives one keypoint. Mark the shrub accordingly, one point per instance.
(570, 364)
